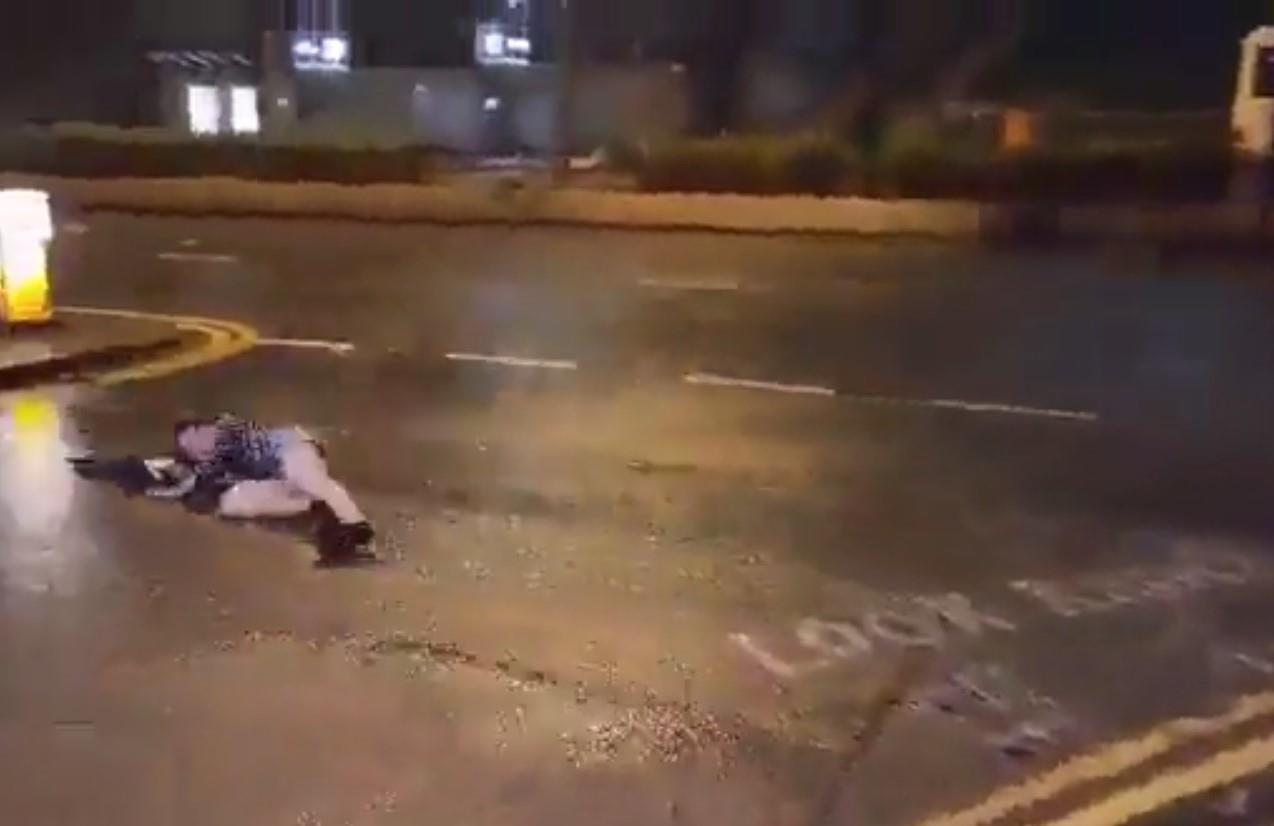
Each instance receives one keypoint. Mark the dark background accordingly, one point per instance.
(72, 55)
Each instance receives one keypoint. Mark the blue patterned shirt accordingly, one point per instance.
(244, 450)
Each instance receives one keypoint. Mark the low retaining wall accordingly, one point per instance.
(508, 201)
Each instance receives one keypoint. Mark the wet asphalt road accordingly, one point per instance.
(733, 530)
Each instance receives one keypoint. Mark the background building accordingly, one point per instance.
(747, 62)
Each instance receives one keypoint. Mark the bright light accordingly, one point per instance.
(518, 45)
(244, 118)
(321, 52)
(26, 211)
(26, 228)
(491, 105)
(335, 50)
(493, 44)
(203, 109)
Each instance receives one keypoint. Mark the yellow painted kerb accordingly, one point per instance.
(222, 340)
(1111, 761)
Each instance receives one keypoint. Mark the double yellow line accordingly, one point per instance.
(1111, 761)
(221, 340)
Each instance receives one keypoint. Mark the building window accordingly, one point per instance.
(244, 118)
(320, 35)
(1264, 73)
(320, 51)
(203, 109)
(504, 35)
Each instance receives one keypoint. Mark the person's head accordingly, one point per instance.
(196, 439)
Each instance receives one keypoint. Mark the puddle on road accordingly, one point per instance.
(37, 491)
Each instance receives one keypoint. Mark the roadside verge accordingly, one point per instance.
(513, 201)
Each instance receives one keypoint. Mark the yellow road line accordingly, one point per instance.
(1173, 787)
(224, 339)
(1107, 762)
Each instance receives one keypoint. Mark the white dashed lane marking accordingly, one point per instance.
(513, 361)
(717, 285)
(341, 348)
(991, 408)
(712, 380)
(981, 407)
(198, 258)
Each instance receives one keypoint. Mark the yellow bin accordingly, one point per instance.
(26, 230)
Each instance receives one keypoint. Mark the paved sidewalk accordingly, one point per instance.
(76, 345)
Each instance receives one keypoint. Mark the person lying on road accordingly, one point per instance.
(256, 473)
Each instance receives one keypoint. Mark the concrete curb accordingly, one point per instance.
(82, 363)
(512, 202)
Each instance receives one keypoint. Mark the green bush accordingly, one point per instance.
(741, 165)
(914, 159)
(755, 165)
(1158, 173)
(819, 165)
(91, 151)
(624, 156)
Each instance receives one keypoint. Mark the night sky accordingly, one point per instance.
(1121, 52)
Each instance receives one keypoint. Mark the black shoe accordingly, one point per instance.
(323, 516)
(341, 542)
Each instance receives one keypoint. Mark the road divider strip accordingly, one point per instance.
(222, 340)
(1119, 758)
(513, 361)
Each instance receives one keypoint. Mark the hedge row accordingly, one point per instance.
(821, 166)
(93, 157)
(914, 164)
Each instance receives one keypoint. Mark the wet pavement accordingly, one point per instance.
(676, 529)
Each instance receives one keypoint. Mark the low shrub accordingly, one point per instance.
(916, 160)
(811, 165)
(740, 165)
(819, 165)
(913, 159)
(88, 151)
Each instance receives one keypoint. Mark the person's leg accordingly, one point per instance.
(271, 499)
(305, 470)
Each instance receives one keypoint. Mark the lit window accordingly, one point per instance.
(335, 50)
(1264, 73)
(325, 52)
(203, 109)
(244, 119)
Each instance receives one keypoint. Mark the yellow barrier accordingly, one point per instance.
(26, 229)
